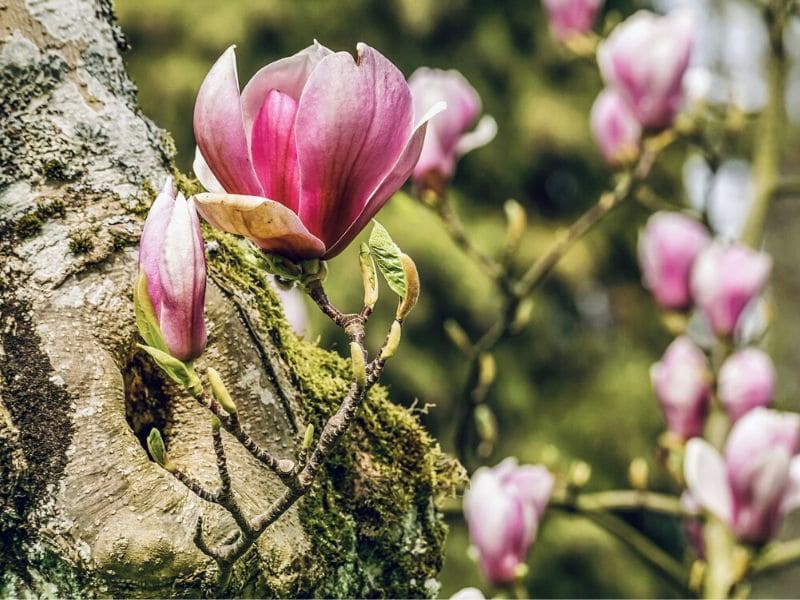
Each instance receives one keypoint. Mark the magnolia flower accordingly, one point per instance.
(682, 384)
(503, 507)
(757, 481)
(172, 259)
(645, 58)
(569, 18)
(312, 148)
(668, 248)
(448, 137)
(746, 381)
(615, 128)
(724, 280)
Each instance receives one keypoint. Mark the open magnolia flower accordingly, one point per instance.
(312, 148)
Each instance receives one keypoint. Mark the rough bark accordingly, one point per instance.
(83, 509)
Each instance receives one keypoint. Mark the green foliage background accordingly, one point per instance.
(575, 384)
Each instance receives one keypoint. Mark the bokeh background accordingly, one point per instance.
(575, 384)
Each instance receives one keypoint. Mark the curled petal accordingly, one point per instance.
(219, 128)
(353, 123)
(706, 479)
(269, 224)
(484, 132)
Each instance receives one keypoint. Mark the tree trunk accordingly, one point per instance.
(83, 509)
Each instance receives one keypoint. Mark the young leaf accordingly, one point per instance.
(387, 257)
(146, 320)
(179, 372)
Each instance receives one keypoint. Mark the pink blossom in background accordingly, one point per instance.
(645, 58)
(758, 480)
(668, 247)
(682, 384)
(448, 136)
(470, 593)
(569, 18)
(293, 306)
(311, 149)
(503, 507)
(746, 381)
(615, 128)
(725, 279)
(172, 258)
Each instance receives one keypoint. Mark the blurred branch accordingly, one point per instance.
(621, 500)
(776, 556)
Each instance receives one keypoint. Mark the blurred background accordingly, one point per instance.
(575, 384)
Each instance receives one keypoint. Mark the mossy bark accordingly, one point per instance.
(83, 510)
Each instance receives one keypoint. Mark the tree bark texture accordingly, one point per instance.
(83, 509)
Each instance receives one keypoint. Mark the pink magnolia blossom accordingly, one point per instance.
(448, 137)
(503, 507)
(615, 128)
(746, 381)
(724, 280)
(569, 18)
(668, 248)
(682, 384)
(758, 480)
(172, 258)
(311, 149)
(645, 58)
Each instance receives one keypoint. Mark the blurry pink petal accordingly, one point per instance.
(746, 381)
(706, 479)
(152, 241)
(269, 224)
(571, 17)
(219, 129)
(287, 75)
(204, 174)
(275, 150)
(354, 121)
(484, 132)
(615, 128)
(791, 499)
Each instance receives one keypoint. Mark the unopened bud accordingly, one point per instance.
(579, 474)
(458, 336)
(741, 562)
(308, 436)
(359, 366)
(523, 315)
(155, 444)
(697, 575)
(485, 423)
(220, 392)
(517, 222)
(638, 472)
(392, 341)
(409, 301)
(369, 276)
(215, 423)
(487, 370)
(520, 571)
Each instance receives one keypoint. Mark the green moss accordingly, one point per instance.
(28, 225)
(81, 241)
(49, 208)
(371, 516)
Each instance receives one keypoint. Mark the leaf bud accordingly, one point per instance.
(220, 392)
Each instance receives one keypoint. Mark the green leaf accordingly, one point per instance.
(146, 320)
(181, 373)
(155, 444)
(387, 256)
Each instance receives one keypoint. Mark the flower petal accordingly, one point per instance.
(269, 224)
(183, 273)
(353, 123)
(275, 151)
(484, 132)
(791, 498)
(152, 241)
(390, 184)
(204, 174)
(219, 128)
(706, 479)
(288, 75)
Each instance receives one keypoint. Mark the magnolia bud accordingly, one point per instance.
(220, 391)
(392, 341)
(746, 381)
(359, 366)
(369, 276)
(409, 301)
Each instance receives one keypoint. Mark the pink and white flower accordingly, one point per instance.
(746, 381)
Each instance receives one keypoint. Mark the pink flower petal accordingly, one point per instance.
(353, 123)
(219, 128)
(706, 479)
(152, 241)
(269, 224)
(204, 174)
(275, 151)
(791, 498)
(288, 75)
(390, 184)
(183, 273)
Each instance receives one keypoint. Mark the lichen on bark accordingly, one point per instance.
(83, 510)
